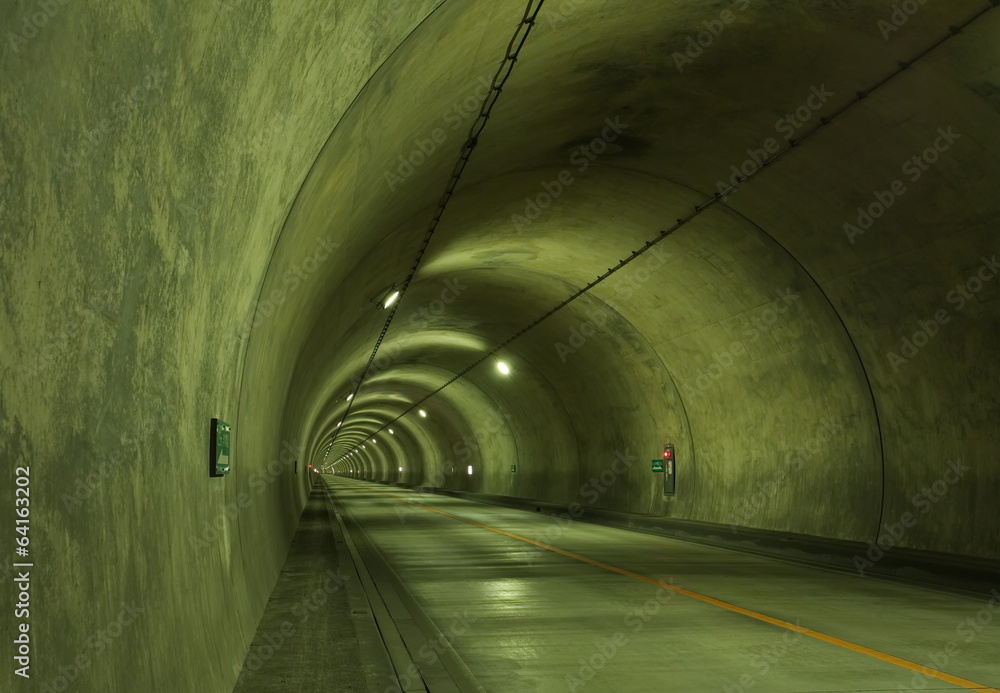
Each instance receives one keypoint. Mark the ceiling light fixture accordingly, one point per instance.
(393, 297)
(385, 298)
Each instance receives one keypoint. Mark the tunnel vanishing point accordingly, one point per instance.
(719, 272)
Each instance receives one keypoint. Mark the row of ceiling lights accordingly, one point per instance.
(390, 296)
(501, 366)
(365, 470)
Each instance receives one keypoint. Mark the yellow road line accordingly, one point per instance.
(853, 647)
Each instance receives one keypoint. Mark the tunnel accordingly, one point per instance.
(594, 345)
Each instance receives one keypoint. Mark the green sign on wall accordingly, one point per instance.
(657, 465)
(218, 462)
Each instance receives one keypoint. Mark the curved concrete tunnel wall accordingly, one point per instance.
(197, 213)
(808, 377)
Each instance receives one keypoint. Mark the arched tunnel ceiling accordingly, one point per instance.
(768, 279)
